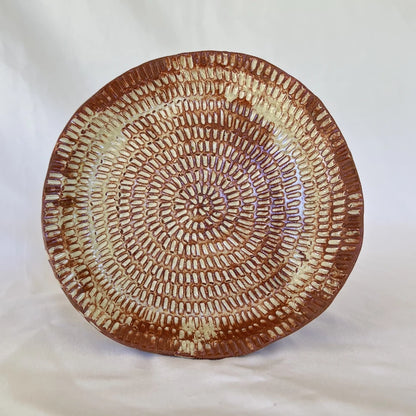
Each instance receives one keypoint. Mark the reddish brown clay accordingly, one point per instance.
(202, 205)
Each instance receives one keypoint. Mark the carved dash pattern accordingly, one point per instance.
(202, 205)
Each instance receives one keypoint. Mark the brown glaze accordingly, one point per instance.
(202, 205)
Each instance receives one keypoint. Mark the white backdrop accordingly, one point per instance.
(358, 357)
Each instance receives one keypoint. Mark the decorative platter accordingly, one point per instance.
(202, 205)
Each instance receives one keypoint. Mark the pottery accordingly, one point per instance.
(202, 205)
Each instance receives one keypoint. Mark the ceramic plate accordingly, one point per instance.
(202, 205)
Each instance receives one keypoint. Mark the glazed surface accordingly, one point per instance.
(202, 205)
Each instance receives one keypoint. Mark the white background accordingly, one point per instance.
(358, 358)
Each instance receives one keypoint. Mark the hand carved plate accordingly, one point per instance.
(202, 205)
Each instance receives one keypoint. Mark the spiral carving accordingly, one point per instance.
(202, 205)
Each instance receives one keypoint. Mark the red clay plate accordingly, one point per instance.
(202, 205)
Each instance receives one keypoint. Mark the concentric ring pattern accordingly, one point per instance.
(204, 205)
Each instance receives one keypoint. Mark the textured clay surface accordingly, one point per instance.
(202, 205)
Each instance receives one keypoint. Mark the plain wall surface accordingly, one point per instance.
(359, 58)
